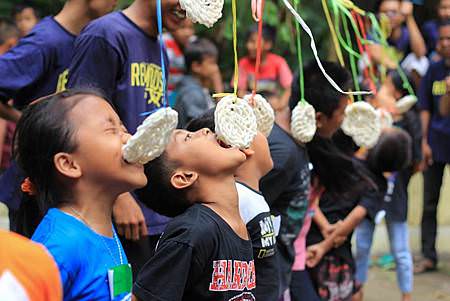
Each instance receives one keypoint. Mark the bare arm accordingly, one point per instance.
(380, 56)
(444, 104)
(426, 150)
(9, 113)
(416, 40)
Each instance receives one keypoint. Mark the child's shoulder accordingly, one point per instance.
(273, 58)
(110, 27)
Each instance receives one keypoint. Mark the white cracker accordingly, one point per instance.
(303, 122)
(235, 122)
(205, 12)
(362, 123)
(151, 137)
(405, 103)
(265, 117)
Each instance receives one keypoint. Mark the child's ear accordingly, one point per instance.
(183, 179)
(268, 45)
(195, 67)
(66, 165)
(320, 118)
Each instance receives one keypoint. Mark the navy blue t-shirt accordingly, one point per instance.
(432, 88)
(430, 30)
(37, 66)
(115, 55)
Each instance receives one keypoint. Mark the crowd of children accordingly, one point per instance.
(205, 221)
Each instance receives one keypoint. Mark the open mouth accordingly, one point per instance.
(223, 144)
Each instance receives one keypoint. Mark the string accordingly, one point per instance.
(337, 46)
(337, 17)
(161, 50)
(366, 49)
(259, 15)
(315, 53)
(351, 57)
(299, 57)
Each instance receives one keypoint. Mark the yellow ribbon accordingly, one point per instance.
(236, 63)
(337, 46)
(350, 5)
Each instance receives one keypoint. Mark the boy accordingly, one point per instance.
(120, 54)
(193, 97)
(37, 66)
(435, 146)
(254, 209)
(430, 29)
(403, 39)
(204, 253)
(26, 17)
(274, 72)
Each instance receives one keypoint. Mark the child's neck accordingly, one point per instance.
(221, 196)
(94, 209)
(139, 13)
(73, 17)
(249, 175)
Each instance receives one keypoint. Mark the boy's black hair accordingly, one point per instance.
(318, 91)
(8, 29)
(391, 153)
(206, 120)
(19, 8)
(269, 33)
(197, 51)
(376, 7)
(43, 131)
(443, 23)
(159, 194)
(398, 81)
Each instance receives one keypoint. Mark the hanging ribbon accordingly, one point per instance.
(334, 37)
(300, 58)
(161, 52)
(258, 14)
(351, 57)
(236, 63)
(257, 9)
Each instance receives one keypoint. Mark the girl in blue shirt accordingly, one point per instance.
(70, 147)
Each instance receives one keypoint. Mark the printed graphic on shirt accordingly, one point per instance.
(233, 275)
(244, 297)
(439, 88)
(268, 239)
(148, 76)
(62, 81)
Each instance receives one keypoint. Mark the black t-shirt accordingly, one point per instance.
(286, 189)
(260, 225)
(199, 257)
(338, 208)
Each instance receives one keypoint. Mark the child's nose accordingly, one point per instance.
(125, 137)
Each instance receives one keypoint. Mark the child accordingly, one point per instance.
(357, 192)
(204, 253)
(120, 54)
(26, 17)
(74, 178)
(274, 72)
(36, 67)
(193, 96)
(27, 271)
(330, 107)
(403, 39)
(430, 29)
(254, 209)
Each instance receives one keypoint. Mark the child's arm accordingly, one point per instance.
(316, 252)
(129, 219)
(416, 40)
(9, 113)
(444, 106)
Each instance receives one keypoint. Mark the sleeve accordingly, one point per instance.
(372, 201)
(165, 276)
(415, 126)
(20, 67)
(96, 63)
(425, 92)
(285, 74)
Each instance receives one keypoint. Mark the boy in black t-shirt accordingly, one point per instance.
(254, 209)
(205, 252)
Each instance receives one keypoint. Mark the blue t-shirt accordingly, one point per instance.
(430, 30)
(115, 55)
(432, 88)
(37, 66)
(83, 256)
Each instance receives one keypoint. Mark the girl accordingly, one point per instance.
(70, 147)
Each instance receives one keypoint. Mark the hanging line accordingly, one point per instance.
(258, 10)
(337, 16)
(337, 46)
(351, 57)
(314, 50)
(161, 52)
(300, 58)
(236, 63)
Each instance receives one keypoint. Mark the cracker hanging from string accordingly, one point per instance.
(206, 12)
(235, 122)
(303, 122)
(265, 116)
(362, 123)
(405, 103)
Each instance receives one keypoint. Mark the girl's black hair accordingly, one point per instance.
(19, 8)
(269, 33)
(43, 131)
(204, 121)
(336, 171)
(391, 153)
(398, 81)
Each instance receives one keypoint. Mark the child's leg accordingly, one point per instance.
(301, 288)
(364, 236)
(399, 241)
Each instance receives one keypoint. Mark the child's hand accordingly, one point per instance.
(328, 230)
(314, 254)
(129, 219)
(407, 8)
(339, 240)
